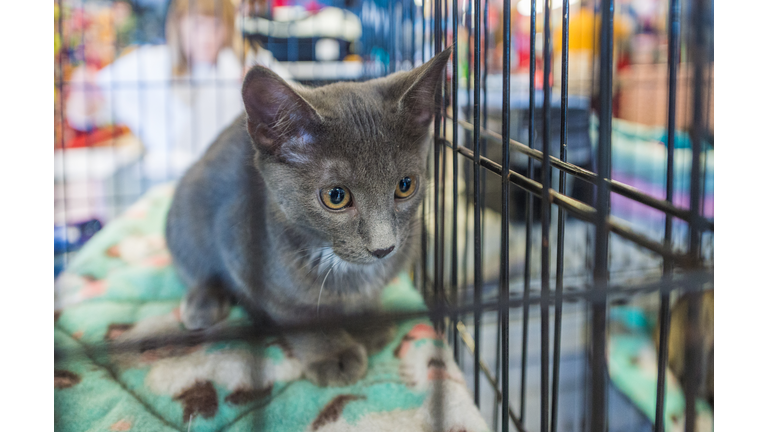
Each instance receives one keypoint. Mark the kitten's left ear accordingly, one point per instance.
(418, 99)
(277, 114)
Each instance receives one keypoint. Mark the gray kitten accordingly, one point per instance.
(307, 205)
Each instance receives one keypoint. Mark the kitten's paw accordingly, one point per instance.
(374, 338)
(203, 307)
(344, 368)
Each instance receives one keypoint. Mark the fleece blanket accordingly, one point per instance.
(632, 365)
(121, 286)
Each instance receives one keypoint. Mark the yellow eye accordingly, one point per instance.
(336, 198)
(405, 187)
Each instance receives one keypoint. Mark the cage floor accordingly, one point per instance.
(623, 416)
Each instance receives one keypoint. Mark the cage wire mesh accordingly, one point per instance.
(538, 228)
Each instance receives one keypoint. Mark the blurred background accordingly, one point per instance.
(143, 87)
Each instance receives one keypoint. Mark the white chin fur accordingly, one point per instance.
(332, 264)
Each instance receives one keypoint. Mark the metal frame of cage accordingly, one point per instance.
(683, 271)
(599, 215)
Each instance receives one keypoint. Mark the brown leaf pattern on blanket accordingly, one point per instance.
(243, 396)
(115, 330)
(406, 338)
(283, 344)
(199, 399)
(152, 353)
(64, 379)
(436, 363)
(332, 411)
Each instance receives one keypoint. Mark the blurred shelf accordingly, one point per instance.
(96, 163)
(338, 70)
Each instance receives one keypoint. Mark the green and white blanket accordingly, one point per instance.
(632, 361)
(121, 286)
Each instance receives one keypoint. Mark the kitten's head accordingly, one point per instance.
(346, 162)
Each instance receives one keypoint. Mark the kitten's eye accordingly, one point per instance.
(405, 187)
(335, 198)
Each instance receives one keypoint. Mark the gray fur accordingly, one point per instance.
(246, 220)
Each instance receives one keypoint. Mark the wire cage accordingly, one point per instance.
(539, 228)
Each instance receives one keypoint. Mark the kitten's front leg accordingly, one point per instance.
(330, 358)
(203, 306)
(374, 337)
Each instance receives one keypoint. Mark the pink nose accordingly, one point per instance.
(381, 253)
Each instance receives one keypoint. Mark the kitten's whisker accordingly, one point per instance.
(236, 223)
(325, 255)
(321, 288)
(283, 231)
(310, 261)
(297, 253)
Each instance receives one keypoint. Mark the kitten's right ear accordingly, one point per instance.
(419, 98)
(276, 113)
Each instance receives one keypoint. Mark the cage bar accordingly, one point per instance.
(545, 219)
(693, 344)
(455, 183)
(592, 178)
(478, 287)
(673, 41)
(504, 278)
(560, 218)
(528, 206)
(598, 399)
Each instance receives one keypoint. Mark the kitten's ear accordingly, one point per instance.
(276, 113)
(418, 100)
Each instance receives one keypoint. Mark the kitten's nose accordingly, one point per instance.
(381, 253)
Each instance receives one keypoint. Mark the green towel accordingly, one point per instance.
(121, 286)
(632, 365)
